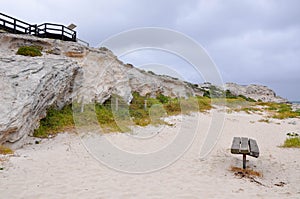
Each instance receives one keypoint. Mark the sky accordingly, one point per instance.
(249, 41)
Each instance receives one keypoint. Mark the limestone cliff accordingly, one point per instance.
(67, 71)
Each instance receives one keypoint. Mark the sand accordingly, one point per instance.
(70, 167)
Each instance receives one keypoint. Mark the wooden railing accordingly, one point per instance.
(56, 31)
(13, 25)
(46, 30)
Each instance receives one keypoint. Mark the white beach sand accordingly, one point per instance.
(62, 168)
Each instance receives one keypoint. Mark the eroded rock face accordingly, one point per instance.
(66, 72)
(257, 92)
(28, 87)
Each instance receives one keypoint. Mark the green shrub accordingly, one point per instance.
(229, 95)
(292, 142)
(40, 48)
(55, 121)
(249, 99)
(162, 98)
(32, 51)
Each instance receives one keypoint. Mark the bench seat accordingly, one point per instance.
(245, 146)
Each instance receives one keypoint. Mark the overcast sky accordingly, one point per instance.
(250, 41)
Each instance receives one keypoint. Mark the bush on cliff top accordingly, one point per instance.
(31, 51)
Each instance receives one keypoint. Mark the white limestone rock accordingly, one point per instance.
(28, 87)
(256, 92)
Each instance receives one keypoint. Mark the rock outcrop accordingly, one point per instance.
(67, 71)
(28, 87)
(256, 92)
(105, 75)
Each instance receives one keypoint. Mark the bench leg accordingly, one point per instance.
(244, 161)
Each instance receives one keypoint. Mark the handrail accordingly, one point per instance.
(16, 24)
(62, 28)
(14, 19)
(83, 42)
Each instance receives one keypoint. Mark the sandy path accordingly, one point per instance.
(62, 168)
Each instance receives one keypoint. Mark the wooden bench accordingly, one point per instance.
(244, 146)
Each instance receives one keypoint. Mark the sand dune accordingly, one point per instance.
(62, 167)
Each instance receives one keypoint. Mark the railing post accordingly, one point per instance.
(74, 36)
(36, 32)
(62, 33)
(15, 23)
(45, 30)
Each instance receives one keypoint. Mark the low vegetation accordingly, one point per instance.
(55, 121)
(31, 51)
(279, 110)
(274, 110)
(118, 116)
(5, 150)
(292, 141)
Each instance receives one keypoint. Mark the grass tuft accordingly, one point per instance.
(5, 150)
(292, 142)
